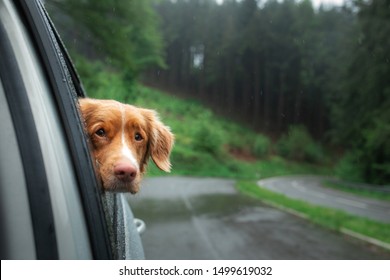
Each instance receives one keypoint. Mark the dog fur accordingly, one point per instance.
(123, 138)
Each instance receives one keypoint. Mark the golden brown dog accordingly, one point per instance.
(123, 138)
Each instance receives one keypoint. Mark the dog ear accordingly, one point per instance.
(87, 107)
(161, 141)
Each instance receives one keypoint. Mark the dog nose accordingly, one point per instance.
(125, 171)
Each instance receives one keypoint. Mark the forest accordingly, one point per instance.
(279, 67)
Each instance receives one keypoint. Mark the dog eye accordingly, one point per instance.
(138, 137)
(100, 132)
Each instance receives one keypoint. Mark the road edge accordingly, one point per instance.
(345, 231)
(366, 239)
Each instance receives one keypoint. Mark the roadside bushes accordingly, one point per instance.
(207, 138)
(102, 84)
(261, 146)
(298, 145)
(350, 168)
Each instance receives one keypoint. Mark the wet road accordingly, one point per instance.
(193, 218)
(310, 189)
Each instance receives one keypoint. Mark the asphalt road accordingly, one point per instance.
(310, 189)
(193, 218)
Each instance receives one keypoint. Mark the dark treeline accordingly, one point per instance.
(271, 66)
(275, 64)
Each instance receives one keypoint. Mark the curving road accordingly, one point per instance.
(203, 218)
(310, 189)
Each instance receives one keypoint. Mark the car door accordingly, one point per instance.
(52, 206)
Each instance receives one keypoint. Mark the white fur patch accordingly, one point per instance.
(126, 152)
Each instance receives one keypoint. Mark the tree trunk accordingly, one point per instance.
(257, 94)
(281, 99)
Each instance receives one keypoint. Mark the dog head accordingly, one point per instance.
(123, 138)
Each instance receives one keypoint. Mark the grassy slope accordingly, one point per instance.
(204, 142)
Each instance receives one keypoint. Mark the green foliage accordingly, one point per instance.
(360, 111)
(124, 34)
(299, 145)
(376, 150)
(261, 146)
(350, 168)
(100, 83)
(206, 138)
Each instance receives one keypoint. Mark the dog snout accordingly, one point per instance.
(125, 171)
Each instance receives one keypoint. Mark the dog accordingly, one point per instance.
(123, 138)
